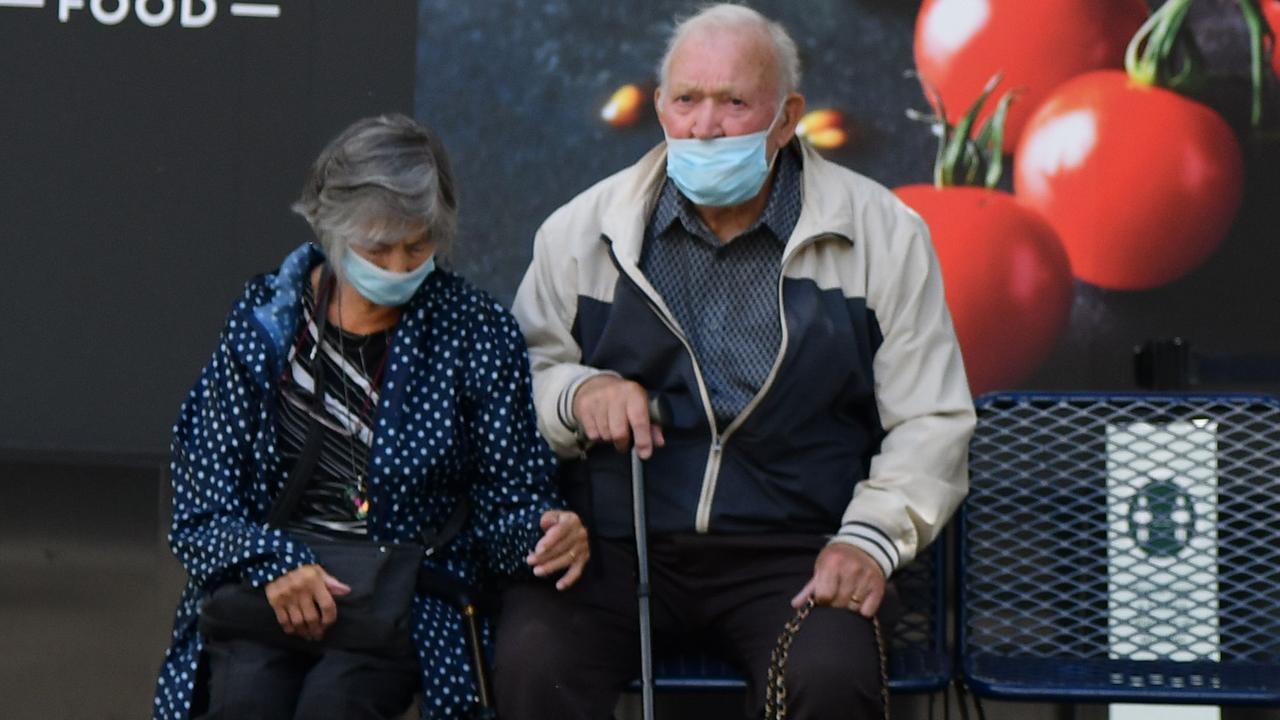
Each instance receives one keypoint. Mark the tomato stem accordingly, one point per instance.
(1135, 61)
(962, 154)
(957, 154)
(938, 123)
(991, 138)
(1150, 54)
(1259, 34)
(1153, 44)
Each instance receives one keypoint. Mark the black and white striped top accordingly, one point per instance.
(335, 503)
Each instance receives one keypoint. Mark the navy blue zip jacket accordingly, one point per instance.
(861, 429)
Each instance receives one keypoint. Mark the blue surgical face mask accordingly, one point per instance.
(382, 286)
(722, 171)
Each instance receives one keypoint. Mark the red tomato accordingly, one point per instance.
(1141, 183)
(1035, 44)
(1008, 282)
(1271, 10)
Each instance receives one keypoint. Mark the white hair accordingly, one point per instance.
(377, 180)
(731, 17)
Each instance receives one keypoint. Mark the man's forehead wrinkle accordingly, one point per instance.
(752, 71)
(714, 88)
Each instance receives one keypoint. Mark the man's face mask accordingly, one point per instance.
(722, 171)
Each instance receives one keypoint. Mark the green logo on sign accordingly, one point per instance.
(1162, 518)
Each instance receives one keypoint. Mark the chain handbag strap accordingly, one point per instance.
(775, 695)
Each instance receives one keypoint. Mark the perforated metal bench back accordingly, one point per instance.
(1123, 548)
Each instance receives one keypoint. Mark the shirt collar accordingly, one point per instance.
(780, 214)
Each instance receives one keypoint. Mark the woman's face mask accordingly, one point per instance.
(389, 287)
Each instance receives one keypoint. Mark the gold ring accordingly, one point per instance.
(855, 600)
(573, 556)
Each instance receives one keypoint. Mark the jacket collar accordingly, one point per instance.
(280, 308)
(628, 209)
(825, 207)
(277, 315)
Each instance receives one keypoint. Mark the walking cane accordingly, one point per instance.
(642, 586)
(658, 417)
(468, 601)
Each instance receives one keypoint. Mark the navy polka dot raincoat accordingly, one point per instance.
(455, 418)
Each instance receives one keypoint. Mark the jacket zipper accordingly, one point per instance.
(675, 329)
(710, 476)
(703, 521)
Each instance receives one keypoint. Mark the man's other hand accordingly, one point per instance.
(845, 576)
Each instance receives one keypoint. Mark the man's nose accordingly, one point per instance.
(706, 123)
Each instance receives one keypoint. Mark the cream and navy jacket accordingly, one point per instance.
(861, 429)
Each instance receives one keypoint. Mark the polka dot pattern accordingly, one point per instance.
(456, 418)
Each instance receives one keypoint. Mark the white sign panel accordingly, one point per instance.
(1162, 547)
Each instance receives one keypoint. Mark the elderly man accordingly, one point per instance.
(791, 315)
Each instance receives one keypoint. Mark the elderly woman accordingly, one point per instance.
(425, 404)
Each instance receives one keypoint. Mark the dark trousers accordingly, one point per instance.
(569, 655)
(250, 680)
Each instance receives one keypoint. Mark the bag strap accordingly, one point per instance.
(294, 488)
(775, 696)
(435, 540)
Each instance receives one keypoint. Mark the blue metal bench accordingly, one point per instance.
(919, 661)
(1123, 548)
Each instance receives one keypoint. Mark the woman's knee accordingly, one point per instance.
(533, 649)
(531, 629)
(247, 679)
(356, 686)
(341, 705)
(556, 659)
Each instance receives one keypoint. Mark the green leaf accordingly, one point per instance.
(1259, 34)
(940, 176)
(993, 129)
(953, 153)
(971, 163)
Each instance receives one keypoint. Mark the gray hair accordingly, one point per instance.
(728, 16)
(377, 181)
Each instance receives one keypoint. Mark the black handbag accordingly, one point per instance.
(375, 616)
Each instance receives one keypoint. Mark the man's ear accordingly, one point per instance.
(792, 110)
(795, 109)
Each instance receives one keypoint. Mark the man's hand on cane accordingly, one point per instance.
(613, 410)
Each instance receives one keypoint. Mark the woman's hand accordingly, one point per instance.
(303, 600)
(563, 545)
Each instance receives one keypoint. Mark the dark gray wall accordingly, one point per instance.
(147, 174)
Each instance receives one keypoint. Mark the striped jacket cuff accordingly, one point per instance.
(873, 541)
(564, 405)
